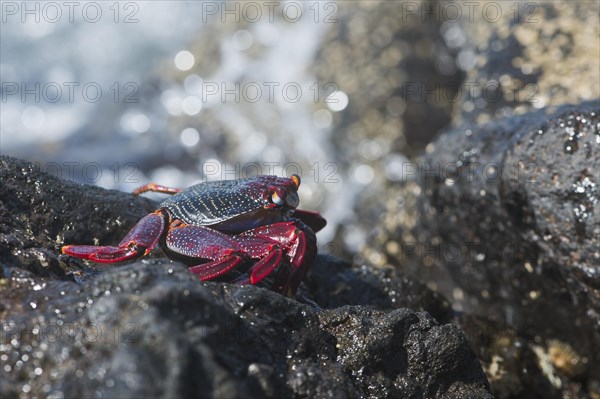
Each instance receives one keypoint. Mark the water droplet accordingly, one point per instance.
(189, 137)
(571, 146)
(184, 60)
(585, 196)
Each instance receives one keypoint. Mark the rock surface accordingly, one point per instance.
(503, 219)
(151, 329)
(508, 228)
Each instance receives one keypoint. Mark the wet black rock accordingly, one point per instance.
(39, 213)
(149, 328)
(335, 283)
(511, 211)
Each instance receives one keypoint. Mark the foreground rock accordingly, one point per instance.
(151, 329)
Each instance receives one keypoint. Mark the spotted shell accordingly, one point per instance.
(235, 205)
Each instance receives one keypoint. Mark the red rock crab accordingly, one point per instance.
(217, 226)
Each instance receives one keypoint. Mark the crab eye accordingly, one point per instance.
(278, 197)
(296, 179)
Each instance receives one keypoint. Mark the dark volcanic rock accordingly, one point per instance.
(39, 213)
(150, 329)
(513, 209)
(336, 283)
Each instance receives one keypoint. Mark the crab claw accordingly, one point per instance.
(300, 246)
(100, 254)
(314, 220)
(138, 242)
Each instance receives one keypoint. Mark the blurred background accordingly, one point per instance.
(354, 96)
(346, 94)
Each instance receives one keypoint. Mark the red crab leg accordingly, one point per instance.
(138, 242)
(314, 220)
(204, 243)
(156, 188)
(291, 235)
(226, 252)
(300, 242)
(267, 250)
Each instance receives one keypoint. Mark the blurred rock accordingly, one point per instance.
(151, 329)
(518, 366)
(400, 76)
(508, 229)
(524, 56)
(516, 58)
(390, 60)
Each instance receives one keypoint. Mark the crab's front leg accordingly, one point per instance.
(140, 240)
(314, 220)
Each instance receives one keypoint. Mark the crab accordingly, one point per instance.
(215, 227)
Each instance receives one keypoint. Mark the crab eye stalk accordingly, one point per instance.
(296, 179)
(278, 197)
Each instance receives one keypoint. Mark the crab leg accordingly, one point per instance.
(266, 265)
(211, 270)
(204, 243)
(226, 252)
(156, 188)
(267, 250)
(300, 242)
(138, 242)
